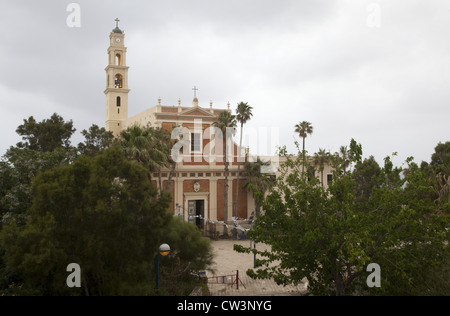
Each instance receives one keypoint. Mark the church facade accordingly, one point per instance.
(198, 182)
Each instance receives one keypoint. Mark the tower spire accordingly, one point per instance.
(117, 30)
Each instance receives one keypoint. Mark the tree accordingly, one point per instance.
(440, 159)
(243, 115)
(256, 182)
(226, 122)
(148, 146)
(46, 145)
(320, 159)
(439, 169)
(304, 129)
(47, 135)
(355, 152)
(96, 140)
(17, 171)
(366, 178)
(100, 212)
(341, 159)
(322, 235)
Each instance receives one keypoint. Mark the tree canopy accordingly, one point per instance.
(329, 236)
(97, 212)
(94, 206)
(46, 135)
(96, 140)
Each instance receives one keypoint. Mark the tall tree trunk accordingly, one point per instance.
(159, 182)
(303, 152)
(321, 176)
(169, 180)
(235, 205)
(257, 210)
(225, 202)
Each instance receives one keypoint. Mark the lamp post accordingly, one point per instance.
(164, 250)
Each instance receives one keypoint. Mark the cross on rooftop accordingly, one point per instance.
(195, 91)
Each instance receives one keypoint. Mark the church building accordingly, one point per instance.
(198, 183)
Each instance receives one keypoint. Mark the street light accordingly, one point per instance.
(164, 250)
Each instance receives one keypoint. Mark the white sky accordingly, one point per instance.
(375, 71)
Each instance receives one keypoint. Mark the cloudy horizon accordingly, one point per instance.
(375, 71)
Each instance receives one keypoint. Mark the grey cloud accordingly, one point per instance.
(292, 60)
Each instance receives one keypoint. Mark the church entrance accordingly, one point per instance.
(197, 213)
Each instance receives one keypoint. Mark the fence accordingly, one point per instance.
(230, 279)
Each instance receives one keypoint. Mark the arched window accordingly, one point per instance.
(118, 101)
(118, 60)
(118, 81)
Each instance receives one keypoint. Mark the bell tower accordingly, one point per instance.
(116, 82)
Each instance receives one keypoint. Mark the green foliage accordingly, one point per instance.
(148, 146)
(47, 145)
(320, 159)
(99, 212)
(256, 182)
(303, 129)
(190, 252)
(188, 244)
(243, 112)
(12, 290)
(369, 215)
(46, 135)
(96, 140)
(355, 152)
(366, 177)
(439, 170)
(17, 171)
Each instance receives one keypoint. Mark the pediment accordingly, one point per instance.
(197, 112)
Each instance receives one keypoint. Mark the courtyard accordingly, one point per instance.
(228, 261)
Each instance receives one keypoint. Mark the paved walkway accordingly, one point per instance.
(227, 261)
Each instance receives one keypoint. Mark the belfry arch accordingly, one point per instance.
(118, 59)
(118, 81)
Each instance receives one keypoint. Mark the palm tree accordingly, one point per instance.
(148, 146)
(224, 122)
(303, 129)
(244, 114)
(320, 159)
(344, 156)
(256, 182)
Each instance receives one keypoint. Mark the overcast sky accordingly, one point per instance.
(375, 71)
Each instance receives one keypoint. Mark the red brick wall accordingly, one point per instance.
(168, 126)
